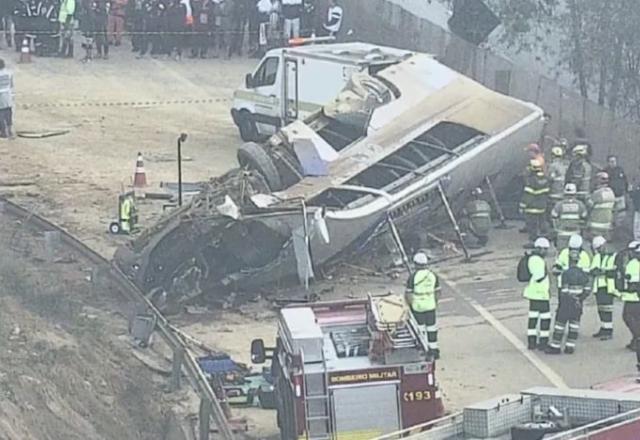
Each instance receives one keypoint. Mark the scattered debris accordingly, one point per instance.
(41, 134)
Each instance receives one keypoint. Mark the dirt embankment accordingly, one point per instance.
(66, 367)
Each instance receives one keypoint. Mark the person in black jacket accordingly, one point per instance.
(618, 183)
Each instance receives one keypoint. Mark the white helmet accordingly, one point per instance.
(634, 244)
(541, 243)
(570, 189)
(420, 259)
(598, 242)
(575, 242)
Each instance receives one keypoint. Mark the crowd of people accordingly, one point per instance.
(570, 203)
(199, 28)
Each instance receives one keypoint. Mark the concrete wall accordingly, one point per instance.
(381, 22)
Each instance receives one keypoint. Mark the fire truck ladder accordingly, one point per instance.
(316, 404)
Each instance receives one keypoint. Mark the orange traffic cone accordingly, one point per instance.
(25, 52)
(140, 176)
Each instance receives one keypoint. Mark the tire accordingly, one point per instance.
(114, 228)
(254, 157)
(247, 127)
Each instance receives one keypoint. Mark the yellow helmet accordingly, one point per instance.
(535, 165)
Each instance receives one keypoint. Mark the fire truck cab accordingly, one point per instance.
(350, 370)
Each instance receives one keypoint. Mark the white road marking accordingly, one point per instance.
(538, 363)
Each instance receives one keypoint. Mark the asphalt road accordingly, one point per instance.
(483, 320)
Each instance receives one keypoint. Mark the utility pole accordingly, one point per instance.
(181, 139)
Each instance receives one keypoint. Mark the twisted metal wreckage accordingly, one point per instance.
(323, 186)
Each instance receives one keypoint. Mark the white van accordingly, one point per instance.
(291, 83)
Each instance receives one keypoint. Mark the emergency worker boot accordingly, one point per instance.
(599, 334)
(569, 350)
(606, 335)
(435, 354)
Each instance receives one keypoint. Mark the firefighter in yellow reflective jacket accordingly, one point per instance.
(534, 201)
(603, 271)
(537, 292)
(568, 217)
(600, 205)
(562, 261)
(422, 288)
(128, 216)
(478, 214)
(631, 299)
(580, 170)
(557, 171)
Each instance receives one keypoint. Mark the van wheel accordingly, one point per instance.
(247, 127)
(254, 157)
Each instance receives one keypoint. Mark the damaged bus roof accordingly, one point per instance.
(323, 187)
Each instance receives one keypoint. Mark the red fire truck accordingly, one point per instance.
(350, 370)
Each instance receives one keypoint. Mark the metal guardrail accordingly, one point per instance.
(601, 426)
(182, 359)
(449, 425)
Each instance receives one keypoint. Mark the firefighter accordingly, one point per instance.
(568, 216)
(579, 171)
(603, 269)
(537, 292)
(557, 171)
(128, 215)
(576, 286)
(562, 261)
(478, 213)
(631, 299)
(600, 205)
(422, 288)
(534, 201)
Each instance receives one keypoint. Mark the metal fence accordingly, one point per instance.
(385, 23)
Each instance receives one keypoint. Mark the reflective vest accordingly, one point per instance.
(579, 172)
(632, 282)
(536, 193)
(601, 205)
(538, 287)
(125, 210)
(606, 265)
(569, 216)
(479, 213)
(584, 262)
(424, 291)
(557, 171)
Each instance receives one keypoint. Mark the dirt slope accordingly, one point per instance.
(66, 367)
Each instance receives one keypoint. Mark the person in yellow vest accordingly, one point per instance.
(562, 261)
(537, 292)
(631, 299)
(603, 270)
(128, 216)
(422, 289)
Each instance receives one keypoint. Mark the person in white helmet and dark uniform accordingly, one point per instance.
(422, 288)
